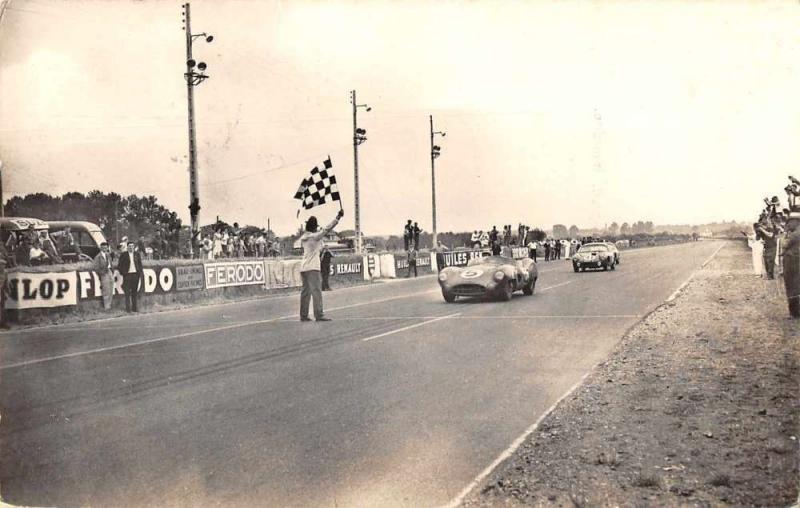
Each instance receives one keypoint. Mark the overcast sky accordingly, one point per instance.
(556, 112)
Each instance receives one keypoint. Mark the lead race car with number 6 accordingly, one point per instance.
(489, 276)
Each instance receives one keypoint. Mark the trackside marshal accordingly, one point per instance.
(234, 273)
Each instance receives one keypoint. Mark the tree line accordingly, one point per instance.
(132, 216)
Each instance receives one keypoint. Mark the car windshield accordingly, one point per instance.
(489, 260)
(594, 248)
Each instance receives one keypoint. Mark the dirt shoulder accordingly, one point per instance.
(697, 405)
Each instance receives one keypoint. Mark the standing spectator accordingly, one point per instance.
(216, 244)
(261, 245)
(325, 267)
(37, 256)
(163, 245)
(408, 233)
(22, 254)
(475, 240)
(547, 250)
(440, 250)
(3, 262)
(11, 246)
(312, 242)
(102, 265)
(769, 235)
(484, 239)
(493, 235)
(130, 267)
(532, 250)
(496, 249)
(206, 248)
(412, 262)
(49, 248)
(68, 243)
(141, 246)
(416, 231)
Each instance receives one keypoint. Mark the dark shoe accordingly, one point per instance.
(305, 319)
(323, 318)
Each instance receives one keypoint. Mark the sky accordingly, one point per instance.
(561, 112)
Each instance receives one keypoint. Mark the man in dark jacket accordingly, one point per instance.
(325, 267)
(130, 267)
(415, 233)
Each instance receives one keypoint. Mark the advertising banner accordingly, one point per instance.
(34, 290)
(461, 258)
(352, 266)
(189, 277)
(283, 274)
(234, 273)
(155, 279)
(423, 261)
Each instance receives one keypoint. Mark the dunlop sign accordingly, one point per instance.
(32, 290)
(234, 273)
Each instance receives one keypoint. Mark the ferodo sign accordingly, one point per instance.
(32, 290)
(234, 273)
(155, 279)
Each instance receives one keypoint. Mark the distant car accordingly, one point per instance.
(594, 255)
(489, 276)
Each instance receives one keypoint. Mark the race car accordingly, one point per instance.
(497, 276)
(594, 255)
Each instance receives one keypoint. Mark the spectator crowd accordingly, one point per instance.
(776, 243)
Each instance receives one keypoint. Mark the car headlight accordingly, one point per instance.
(499, 275)
(442, 276)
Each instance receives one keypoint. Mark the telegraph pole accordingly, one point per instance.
(435, 152)
(359, 136)
(193, 78)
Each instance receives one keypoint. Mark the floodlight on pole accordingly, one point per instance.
(359, 137)
(194, 75)
(436, 151)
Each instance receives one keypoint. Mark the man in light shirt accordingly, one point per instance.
(312, 242)
(102, 265)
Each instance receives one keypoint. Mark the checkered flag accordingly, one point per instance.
(319, 188)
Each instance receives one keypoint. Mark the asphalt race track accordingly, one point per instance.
(401, 400)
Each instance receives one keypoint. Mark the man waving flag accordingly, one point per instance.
(319, 187)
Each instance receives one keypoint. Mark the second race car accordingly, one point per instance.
(497, 276)
(594, 255)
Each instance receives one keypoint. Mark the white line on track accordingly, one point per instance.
(691, 276)
(409, 327)
(196, 332)
(511, 449)
(557, 285)
(457, 317)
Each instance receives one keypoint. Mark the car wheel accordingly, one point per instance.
(613, 265)
(508, 291)
(448, 297)
(529, 287)
(575, 267)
